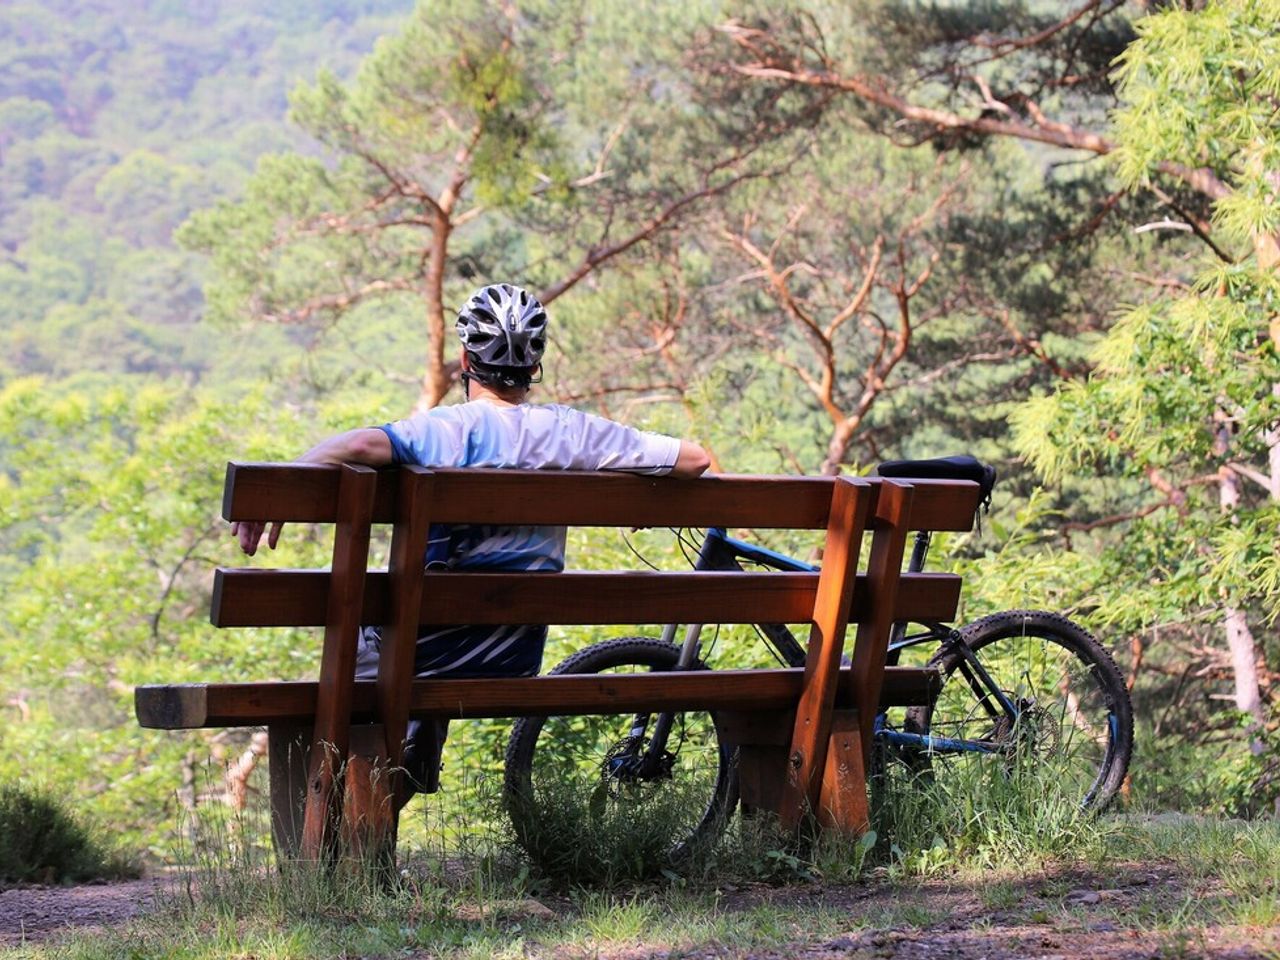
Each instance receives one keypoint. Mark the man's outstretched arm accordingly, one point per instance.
(366, 445)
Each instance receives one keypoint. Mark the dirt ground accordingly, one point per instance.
(31, 914)
(1122, 914)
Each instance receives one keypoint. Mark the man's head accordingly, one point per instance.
(503, 329)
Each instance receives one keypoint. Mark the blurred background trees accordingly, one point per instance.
(811, 235)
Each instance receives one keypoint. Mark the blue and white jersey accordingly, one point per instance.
(529, 437)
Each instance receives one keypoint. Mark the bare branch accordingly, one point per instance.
(1246, 471)
(1005, 45)
(1117, 518)
(600, 254)
(854, 306)
(1202, 227)
(1034, 347)
(1164, 225)
(875, 90)
(340, 301)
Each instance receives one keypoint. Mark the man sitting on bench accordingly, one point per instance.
(503, 332)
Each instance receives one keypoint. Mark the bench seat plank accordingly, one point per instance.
(197, 705)
(308, 493)
(244, 597)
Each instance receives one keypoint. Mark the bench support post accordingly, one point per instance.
(843, 802)
(865, 675)
(379, 771)
(331, 735)
(288, 753)
(850, 502)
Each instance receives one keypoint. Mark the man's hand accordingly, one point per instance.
(249, 533)
(367, 445)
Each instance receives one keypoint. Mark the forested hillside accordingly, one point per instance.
(117, 121)
(810, 235)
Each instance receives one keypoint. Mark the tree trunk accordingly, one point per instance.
(1240, 642)
(837, 447)
(435, 380)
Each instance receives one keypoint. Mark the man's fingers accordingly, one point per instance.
(248, 533)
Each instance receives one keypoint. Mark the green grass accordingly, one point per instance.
(1019, 856)
(1238, 860)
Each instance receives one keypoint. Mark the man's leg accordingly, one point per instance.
(423, 746)
(424, 739)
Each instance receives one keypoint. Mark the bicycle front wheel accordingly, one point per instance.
(1071, 713)
(588, 796)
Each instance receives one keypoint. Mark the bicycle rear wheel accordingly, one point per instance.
(1074, 718)
(582, 798)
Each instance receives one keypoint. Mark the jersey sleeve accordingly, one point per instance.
(608, 445)
(421, 439)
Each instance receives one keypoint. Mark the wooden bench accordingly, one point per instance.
(817, 764)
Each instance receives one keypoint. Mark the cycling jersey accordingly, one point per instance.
(524, 436)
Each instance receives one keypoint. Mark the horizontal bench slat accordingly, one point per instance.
(279, 598)
(309, 493)
(197, 705)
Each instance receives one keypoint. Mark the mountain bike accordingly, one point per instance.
(1017, 683)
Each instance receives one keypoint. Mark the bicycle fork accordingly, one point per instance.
(654, 761)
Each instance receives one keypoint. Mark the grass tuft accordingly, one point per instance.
(585, 838)
(43, 841)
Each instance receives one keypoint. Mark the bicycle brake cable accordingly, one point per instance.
(687, 548)
(639, 556)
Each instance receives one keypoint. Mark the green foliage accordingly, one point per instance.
(1199, 89)
(1182, 405)
(112, 594)
(43, 841)
(113, 129)
(1183, 385)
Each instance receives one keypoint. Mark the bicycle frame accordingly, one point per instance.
(719, 551)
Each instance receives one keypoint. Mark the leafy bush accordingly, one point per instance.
(42, 841)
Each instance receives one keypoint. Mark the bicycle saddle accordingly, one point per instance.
(963, 467)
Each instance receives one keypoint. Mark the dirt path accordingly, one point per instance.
(31, 914)
(1138, 912)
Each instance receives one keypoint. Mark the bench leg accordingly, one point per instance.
(288, 750)
(843, 803)
(369, 814)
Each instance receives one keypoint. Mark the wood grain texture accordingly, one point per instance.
(884, 566)
(851, 503)
(843, 803)
(192, 706)
(288, 755)
(400, 634)
(338, 659)
(309, 493)
(367, 834)
(246, 597)
(831, 758)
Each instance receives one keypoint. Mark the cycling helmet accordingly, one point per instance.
(503, 326)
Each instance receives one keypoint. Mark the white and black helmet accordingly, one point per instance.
(503, 326)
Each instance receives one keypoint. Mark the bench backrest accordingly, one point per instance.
(413, 498)
(405, 596)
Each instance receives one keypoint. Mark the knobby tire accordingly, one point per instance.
(1080, 726)
(565, 760)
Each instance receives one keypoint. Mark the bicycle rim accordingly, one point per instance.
(582, 805)
(1074, 726)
